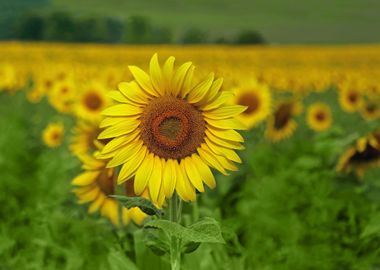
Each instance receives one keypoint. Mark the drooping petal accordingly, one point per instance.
(204, 171)
(222, 151)
(143, 174)
(155, 180)
(207, 156)
(169, 178)
(193, 174)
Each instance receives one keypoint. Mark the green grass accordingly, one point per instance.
(294, 21)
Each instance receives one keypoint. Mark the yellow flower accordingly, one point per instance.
(94, 186)
(371, 110)
(364, 155)
(167, 131)
(319, 116)
(257, 98)
(91, 101)
(350, 98)
(62, 95)
(281, 123)
(52, 135)
(84, 136)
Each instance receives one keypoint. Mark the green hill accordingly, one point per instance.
(291, 21)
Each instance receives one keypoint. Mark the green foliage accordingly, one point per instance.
(249, 37)
(145, 205)
(193, 36)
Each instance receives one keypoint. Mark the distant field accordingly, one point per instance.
(292, 21)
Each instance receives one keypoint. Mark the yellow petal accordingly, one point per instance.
(168, 73)
(137, 215)
(188, 82)
(229, 123)
(222, 98)
(129, 168)
(85, 178)
(206, 154)
(225, 112)
(199, 91)
(143, 80)
(189, 188)
(119, 129)
(117, 96)
(222, 142)
(109, 121)
(119, 142)
(155, 179)
(143, 174)
(156, 75)
(193, 174)
(122, 110)
(169, 178)
(133, 92)
(222, 151)
(226, 134)
(212, 93)
(110, 209)
(95, 205)
(179, 78)
(89, 196)
(125, 215)
(204, 171)
(125, 154)
(180, 185)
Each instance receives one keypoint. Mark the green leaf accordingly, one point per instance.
(190, 247)
(156, 241)
(145, 205)
(204, 231)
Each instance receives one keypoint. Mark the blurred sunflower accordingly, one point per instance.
(94, 186)
(364, 155)
(319, 116)
(62, 95)
(257, 97)
(371, 110)
(281, 124)
(91, 101)
(350, 99)
(52, 135)
(84, 136)
(166, 132)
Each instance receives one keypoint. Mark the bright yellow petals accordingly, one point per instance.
(158, 127)
(319, 117)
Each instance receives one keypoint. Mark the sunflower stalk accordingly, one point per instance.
(175, 209)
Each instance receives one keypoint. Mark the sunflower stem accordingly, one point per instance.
(175, 209)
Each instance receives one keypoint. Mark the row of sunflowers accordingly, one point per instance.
(269, 89)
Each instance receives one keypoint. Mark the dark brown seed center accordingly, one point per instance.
(251, 101)
(320, 116)
(172, 128)
(105, 181)
(283, 115)
(93, 101)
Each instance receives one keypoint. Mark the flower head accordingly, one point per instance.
(52, 135)
(167, 131)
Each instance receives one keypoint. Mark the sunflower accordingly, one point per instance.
(364, 155)
(167, 132)
(371, 110)
(52, 135)
(84, 136)
(62, 95)
(319, 116)
(281, 124)
(350, 99)
(91, 101)
(94, 186)
(257, 98)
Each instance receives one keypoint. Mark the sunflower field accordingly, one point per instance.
(189, 157)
